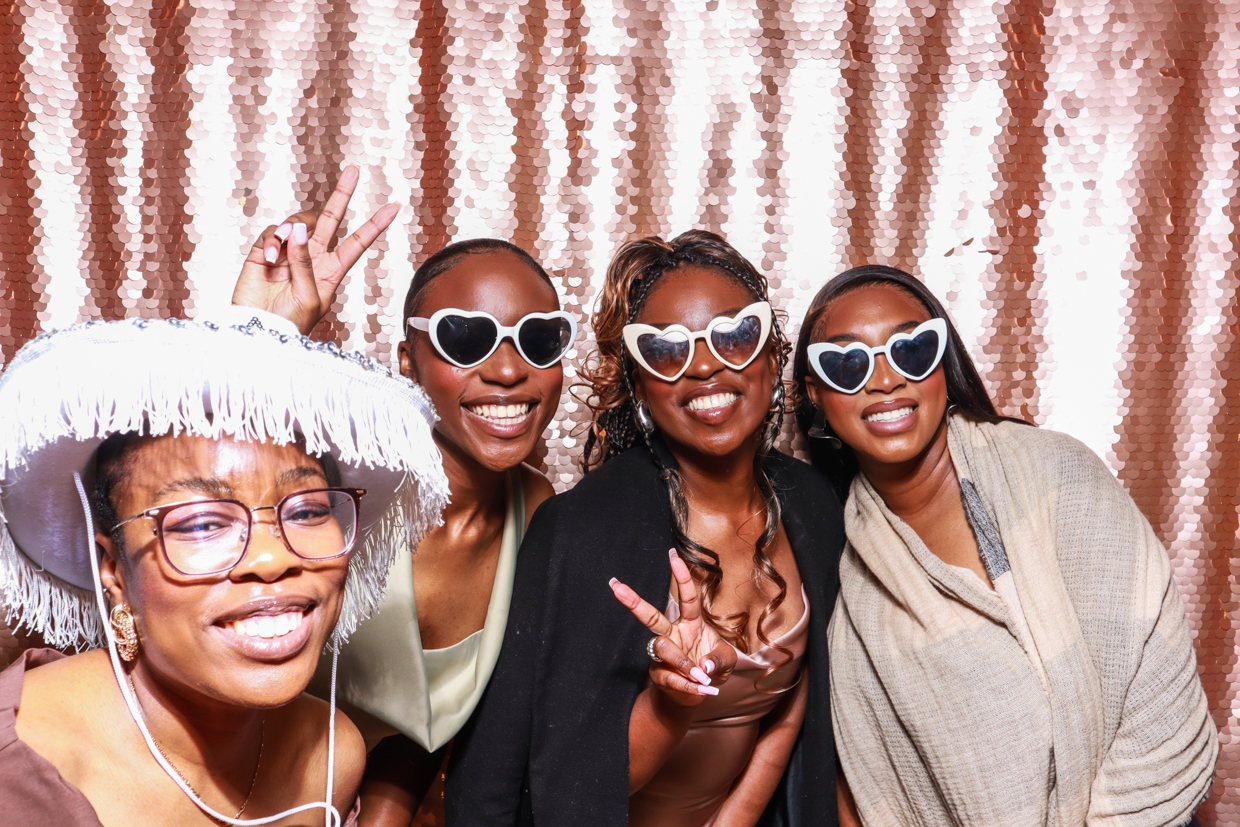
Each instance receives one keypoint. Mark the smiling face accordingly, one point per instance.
(711, 410)
(492, 413)
(892, 419)
(250, 636)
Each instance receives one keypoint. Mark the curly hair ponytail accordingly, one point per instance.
(632, 274)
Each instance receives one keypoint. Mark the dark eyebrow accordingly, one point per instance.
(298, 474)
(220, 488)
(196, 485)
(845, 338)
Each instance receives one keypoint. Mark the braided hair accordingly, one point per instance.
(634, 272)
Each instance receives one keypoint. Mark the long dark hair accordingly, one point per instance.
(965, 390)
(635, 270)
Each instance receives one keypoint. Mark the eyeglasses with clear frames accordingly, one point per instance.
(211, 536)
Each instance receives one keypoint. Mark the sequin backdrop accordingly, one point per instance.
(1066, 176)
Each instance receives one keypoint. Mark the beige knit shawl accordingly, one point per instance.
(940, 716)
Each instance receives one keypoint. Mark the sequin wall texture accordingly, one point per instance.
(1064, 175)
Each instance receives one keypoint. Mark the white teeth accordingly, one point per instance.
(714, 400)
(502, 414)
(888, 416)
(268, 626)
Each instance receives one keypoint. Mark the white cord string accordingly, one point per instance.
(332, 818)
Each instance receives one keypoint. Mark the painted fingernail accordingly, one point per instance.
(710, 666)
(612, 582)
(272, 254)
(700, 676)
(282, 231)
(708, 690)
(299, 233)
(671, 554)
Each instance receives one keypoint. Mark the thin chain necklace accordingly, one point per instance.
(262, 726)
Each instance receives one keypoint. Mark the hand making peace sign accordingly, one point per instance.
(290, 271)
(689, 659)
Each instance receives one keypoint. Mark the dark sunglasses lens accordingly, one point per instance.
(464, 339)
(736, 342)
(544, 341)
(665, 354)
(915, 357)
(846, 370)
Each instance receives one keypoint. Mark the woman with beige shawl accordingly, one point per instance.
(1008, 647)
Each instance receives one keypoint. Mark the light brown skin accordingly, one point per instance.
(907, 462)
(454, 569)
(207, 704)
(715, 455)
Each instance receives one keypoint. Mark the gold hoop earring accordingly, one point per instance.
(125, 632)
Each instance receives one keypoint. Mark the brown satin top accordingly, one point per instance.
(690, 788)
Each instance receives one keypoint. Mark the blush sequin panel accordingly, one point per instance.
(1066, 176)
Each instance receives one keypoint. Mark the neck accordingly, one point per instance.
(473, 488)
(909, 487)
(195, 731)
(719, 483)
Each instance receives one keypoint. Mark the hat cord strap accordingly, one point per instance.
(332, 815)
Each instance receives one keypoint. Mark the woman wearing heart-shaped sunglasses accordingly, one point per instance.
(712, 706)
(1008, 646)
(485, 338)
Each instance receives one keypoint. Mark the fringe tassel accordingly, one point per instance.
(174, 376)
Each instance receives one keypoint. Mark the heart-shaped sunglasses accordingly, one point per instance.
(467, 338)
(912, 355)
(666, 352)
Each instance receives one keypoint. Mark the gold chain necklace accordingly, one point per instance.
(262, 726)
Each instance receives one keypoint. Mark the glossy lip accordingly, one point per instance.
(269, 650)
(713, 416)
(896, 426)
(496, 429)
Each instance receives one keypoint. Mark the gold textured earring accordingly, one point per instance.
(125, 631)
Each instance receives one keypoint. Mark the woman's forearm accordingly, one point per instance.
(656, 725)
(757, 783)
(398, 774)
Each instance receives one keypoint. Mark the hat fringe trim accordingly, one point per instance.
(64, 616)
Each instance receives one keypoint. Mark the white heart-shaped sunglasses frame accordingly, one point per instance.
(815, 351)
(760, 310)
(431, 326)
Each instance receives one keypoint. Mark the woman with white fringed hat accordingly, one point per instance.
(212, 504)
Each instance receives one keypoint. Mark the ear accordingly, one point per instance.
(639, 385)
(815, 390)
(404, 354)
(111, 571)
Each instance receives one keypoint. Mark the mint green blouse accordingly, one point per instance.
(388, 684)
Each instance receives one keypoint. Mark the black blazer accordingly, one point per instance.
(548, 744)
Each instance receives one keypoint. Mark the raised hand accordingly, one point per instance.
(290, 271)
(693, 659)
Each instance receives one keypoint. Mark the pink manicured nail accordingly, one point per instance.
(299, 234)
(671, 554)
(708, 690)
(272, 254)
(710, 666)
(700, 676)
(612, 582)
(282, 231)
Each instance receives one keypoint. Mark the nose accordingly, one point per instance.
(267, 558)
(885, 379)
(702, 363)
(505, 366)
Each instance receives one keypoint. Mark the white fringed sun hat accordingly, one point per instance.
(67, 391)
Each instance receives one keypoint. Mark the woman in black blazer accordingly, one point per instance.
(586, 714)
